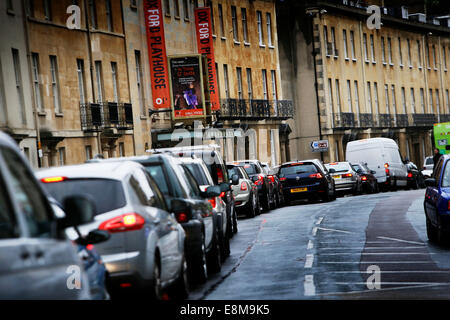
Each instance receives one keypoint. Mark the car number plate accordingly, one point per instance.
(299, 190)
(337, 177)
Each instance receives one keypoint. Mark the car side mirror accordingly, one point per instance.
(94, 237)
(359, 171)
(212, 191)
(235, 180)
(331, 170)
(79, 210)
(430, 182)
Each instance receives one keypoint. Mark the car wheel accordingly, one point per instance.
(416, 185)
(252, 209)
(200, 269)
(214, 258)
(432, 231)
(258, 205)
(157, 291)
(235, 223)
(180, 289)
(266, 203)
(273, 204)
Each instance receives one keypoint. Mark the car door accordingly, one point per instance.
(432, 194)
(50, 268)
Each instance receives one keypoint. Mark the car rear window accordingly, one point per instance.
(356, 167)
(196, 170)
(428, 161)
(339, 167)
(298, 169)
(251, 168)
(234, 170)
(157, 173)
(106, 194)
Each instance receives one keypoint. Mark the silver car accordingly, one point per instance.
(246, 192)
(428, 166)
(345, 177)
(146, 247)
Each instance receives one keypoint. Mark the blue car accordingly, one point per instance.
(437, 202)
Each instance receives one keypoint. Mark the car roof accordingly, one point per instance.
(7, 141)
(117, 170)
(297, 161)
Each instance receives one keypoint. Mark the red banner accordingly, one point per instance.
(205, 46)
(157, 54)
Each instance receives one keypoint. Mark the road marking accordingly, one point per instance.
(370, 248)
(309, 287)
(395, 271)
(367, 242)
(376, 253)
(310, 245)
(391, 283)
(309, 260)
(400, 240)
(335, 230)
(377, 262)
(314, 231)
(319, 221)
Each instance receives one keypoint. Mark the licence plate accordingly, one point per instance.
(299, 190)
(337, 177)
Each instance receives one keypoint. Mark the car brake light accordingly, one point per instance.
(387, 172)
(283, 179)
(448, 205)
(347, 175)
(213, 202)
(316, 175)
(386, 165)
(271, 178)
(219, 175)
(410, 175)
(53, 179)
(260, 180)
(90, 247)
(364, 178)
(222, 194)
(181, 217)
(125, 222)
(243, 186)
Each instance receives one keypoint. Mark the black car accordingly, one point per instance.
(210, 154)
(368, 179)
(264, 184)
(202, 248)
(415, 177)
(307, 179)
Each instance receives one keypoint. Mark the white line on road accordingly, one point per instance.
(310, 289)
(400, 240)
(314, 231)
(377, 262)
(378, 290)
(370, 248)
(310, 245)
(319, 221)
(309, 260)
(376, 253)
(335, 230)
(391, 283)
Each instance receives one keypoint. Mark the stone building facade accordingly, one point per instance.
(361, 82)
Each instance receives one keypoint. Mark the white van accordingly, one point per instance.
(382, 156)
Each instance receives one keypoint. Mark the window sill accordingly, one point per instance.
(187, 20)
(262, 45)
(435, 69)
(354, 60)
(429, 69)
(384, 64)
(167, 15)
(177, 17)
(420, 68)
(42, 113)
(246, 44)
(336, 57)
(59, 114)
(445, 70)
(391, 64)
(223, 38)
(237, 42)
(271, 47)
(367, 61)
(10, 12)
(401, 66)
(328, 56)
(142, 117)
(410, 67)
(347, 59)
(214, 36)
(374, 62)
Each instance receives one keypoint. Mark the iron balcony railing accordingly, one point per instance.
(343, 120)
(402, 120)
(106, 115)
(444, 118)
(241, 109)
(365, 120)
(423, 119)
(384, 120)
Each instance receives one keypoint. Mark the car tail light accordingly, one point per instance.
(181, 217)
(271, 178)
(222, 195)
(424, 168)
(386, 165)
(410, 175)
(125, 222)
(53, 179)
(387, 172)
(283, 179)
(213, 202)
(316, 175)
(219, 175)
(364, 178)
(448, 205)
(347, 175)
(260, 180)
(90, 247)
(237, 203)
(125, 285)
(243, 186)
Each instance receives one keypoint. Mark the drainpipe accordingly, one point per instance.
(91, 67)
(33, 94)
(314, 53)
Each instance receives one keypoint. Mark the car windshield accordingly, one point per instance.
(107, 195)
(298, 169)
(198, 173)
(338, 167)
(446, 176)
(157, 173)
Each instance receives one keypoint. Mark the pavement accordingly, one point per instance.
(357, 247)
